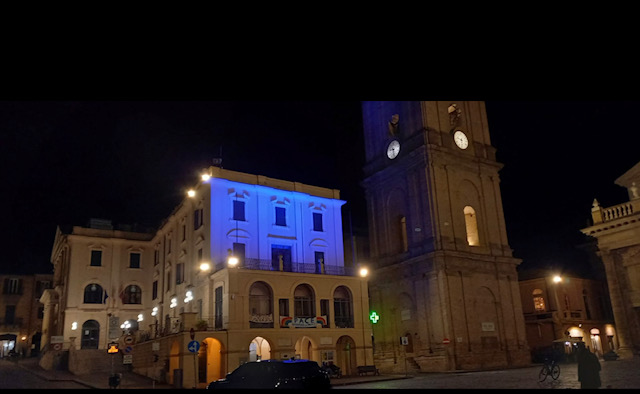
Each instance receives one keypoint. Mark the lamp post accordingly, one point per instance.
(364, 272)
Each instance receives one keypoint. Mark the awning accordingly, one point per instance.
(8, 337)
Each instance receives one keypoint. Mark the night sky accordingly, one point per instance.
(63, 162)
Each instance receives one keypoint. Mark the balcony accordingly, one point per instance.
(602, 215)
(305, 268)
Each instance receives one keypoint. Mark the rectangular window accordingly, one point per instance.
(12, 286)
(218, 308)
(324, 311)
(154, 290)
(197, 218)
(10, 314)
(96, 258)
(281, 219)
(238, 210)
(41, 286)
(317, 221)
(319, 256)
(156, 257)
(41, 312)
(239, 253)
(199, 255)
(179, 273)
(134, 260)
(283, 306)
(168, 280)
(342, 312)
(184, 232)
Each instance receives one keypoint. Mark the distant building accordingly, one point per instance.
(562, 310)
(21, 312)
(253, 265)
(617, 231)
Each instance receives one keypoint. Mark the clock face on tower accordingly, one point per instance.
(460, 139)
(393, 149)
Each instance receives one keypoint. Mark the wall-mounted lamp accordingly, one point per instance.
(233, 261)
(74, 325)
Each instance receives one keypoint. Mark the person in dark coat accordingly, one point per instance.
(588, 369)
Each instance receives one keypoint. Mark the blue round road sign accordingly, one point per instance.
(194, 346)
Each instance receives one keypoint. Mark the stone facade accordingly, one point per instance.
(289, 293)
(445, 279)
(617, 231)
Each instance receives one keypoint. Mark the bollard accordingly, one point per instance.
(114, 381)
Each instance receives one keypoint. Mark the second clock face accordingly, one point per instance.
(393, 149)
(460, 139)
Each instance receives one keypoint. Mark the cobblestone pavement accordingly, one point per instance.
(619, 374)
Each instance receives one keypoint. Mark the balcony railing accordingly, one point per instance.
(600, 214)
(306, 268)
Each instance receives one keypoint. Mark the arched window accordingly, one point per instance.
(585, 299)
(538, 301)
(132, 295)
(471, 224)
(260, 306)
(304, 302)
(342, 307)
(93, 294)
(403, 233)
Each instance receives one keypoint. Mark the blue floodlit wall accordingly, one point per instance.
(259, 231)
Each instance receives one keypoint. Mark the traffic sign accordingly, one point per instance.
(446, 341)
(128, 349)
(128, 339)
(194, 346)
(113, 348)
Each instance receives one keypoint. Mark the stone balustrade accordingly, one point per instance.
(601, 215)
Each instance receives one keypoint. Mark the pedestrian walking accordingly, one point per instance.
(588, 369)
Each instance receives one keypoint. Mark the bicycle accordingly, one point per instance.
(549, 368)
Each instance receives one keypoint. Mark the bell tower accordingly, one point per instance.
(445, 279)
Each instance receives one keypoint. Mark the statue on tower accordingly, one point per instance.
(393, 125)
(454, 115)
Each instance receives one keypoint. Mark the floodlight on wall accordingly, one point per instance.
(140, 317)
(154, 311)
(206, 177)
(126, 325)
(174, 302)
(233, 261)
(204, 266)
(191, 193)
(188, 296)
(557, 279)
(364, 271)
(74, 325)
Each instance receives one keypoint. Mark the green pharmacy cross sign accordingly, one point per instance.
(374, 317)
